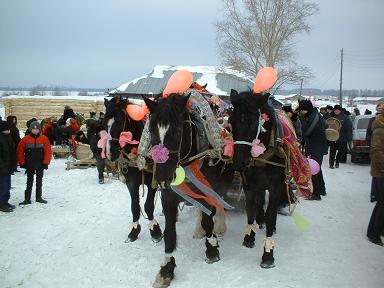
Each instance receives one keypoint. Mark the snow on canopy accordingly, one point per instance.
(220, 80)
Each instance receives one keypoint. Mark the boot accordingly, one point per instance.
(27, 198)
(41, 200)
(5, 208)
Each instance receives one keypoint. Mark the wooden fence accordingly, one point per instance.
(40, 107)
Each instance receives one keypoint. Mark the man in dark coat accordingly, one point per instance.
(329, 112)
(93, 129)
(376, 223)
(15, 134)
(313, 126)
(7, 160)
(338, 149)
(34, 154)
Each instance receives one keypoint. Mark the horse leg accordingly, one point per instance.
(133, 182)
(149, 207)
(211, 244)
(170, 203)
(260, 202)
(220, 227)
(267, 260)
(251, 228)
(199, 232)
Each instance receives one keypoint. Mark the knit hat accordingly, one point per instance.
(337, 107)
(306, 105)
(329, 107)
(4, 126)
(34, 125)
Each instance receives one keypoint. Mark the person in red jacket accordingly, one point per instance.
(34, 154)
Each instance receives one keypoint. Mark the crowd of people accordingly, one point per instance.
(310, 125)
(33, 152)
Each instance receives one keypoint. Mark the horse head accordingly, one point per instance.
(117, 120)
(245, 120)
(166, 129)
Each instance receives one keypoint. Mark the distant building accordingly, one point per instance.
(367, 100)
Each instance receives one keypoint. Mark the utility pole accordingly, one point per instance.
(341, 79)
(301, 87)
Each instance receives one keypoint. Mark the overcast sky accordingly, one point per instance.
(104, 43)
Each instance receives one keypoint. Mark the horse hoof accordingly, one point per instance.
(134, 234)
(212, 260)
(156, 233)
(267, 265)
(166, 274)
(248, 244)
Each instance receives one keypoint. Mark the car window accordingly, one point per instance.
(363, 123)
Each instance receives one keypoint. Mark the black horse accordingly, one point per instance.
(117, 120)
(259, 174)
(172, 129)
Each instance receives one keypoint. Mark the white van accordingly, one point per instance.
(359, 148)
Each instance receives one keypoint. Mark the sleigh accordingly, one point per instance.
(82, 157)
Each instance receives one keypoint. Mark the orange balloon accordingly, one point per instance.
(136, 112)
(265, 79)
(178, 83)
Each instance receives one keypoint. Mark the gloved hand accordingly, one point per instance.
(45, 166)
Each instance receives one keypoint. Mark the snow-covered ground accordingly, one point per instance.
(77, 239)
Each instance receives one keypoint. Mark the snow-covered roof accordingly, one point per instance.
(220, 80)
(368, 98)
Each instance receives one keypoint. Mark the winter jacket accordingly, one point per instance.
(313, 127)
(377, 147)
(7, 154)
(369, 129)
(346, 128)
(48, 132)
(34, 152)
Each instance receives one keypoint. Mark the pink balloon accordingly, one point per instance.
(136, 112)
(315, 167)
(265, 79)
(178, 83)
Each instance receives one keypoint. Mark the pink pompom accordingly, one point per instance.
(160, 154)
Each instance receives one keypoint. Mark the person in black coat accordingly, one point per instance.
(15, 134)
(338, 149)
(7, 162)
(93, 129)
(68, 113)
(313, 127)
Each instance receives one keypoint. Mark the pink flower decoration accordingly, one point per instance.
(229, 147)
(126, 138)
(265, 117)
(257, 148)
(102, 143)
(160, 153)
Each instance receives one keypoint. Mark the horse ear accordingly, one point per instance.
(205, 86)
(152, 105)
(234, 96)
(185, 101)
(106, 101)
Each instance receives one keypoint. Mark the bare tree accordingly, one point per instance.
(37, 90)
(259, 33)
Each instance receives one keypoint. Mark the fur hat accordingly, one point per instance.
(4, 126)
(287, 108)
(329, 107)
(34, 125)
(306, 105)
(337, 107)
